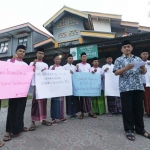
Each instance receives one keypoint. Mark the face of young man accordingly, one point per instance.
(20, 53)
(127, 49)
(95, 63)
(57, 60)
(40, 55)
(144, 55)
(84, 58)
(109, 60)
(70, 60)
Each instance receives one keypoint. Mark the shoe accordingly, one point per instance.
(64, 120)
(54, 122)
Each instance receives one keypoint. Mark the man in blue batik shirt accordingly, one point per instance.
(131, 91)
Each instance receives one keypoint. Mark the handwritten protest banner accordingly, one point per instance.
(147, 75)
(53, 83)
(86, 84)
(111, 85)
(15, 80)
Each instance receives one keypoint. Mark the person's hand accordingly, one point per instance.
(148, 63)
(142, 67)
(35, 61)
(129, 66)
(95, 70)
(43, 69)
(106, 69)
(15, 56)
(71, 71)
(34, 69)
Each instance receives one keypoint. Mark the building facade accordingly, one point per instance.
(73, 29)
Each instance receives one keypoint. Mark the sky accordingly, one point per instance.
(37, 12)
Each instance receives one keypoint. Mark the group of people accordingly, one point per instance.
(132, 84)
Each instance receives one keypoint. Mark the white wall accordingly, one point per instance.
(101, 25)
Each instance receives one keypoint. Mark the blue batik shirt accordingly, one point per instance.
(130, 80)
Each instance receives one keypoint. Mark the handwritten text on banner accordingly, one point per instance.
(53, 83)
(14, 80)
(86, 84)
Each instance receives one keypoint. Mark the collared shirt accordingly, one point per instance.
(99, 71)
(108, 66)
(131, 79)
(56, 68)
(17, 62)
(39, 67)
(69, 67)
(143, 76)
(84, 67)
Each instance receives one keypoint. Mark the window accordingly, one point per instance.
(3, 47)
(22, 41)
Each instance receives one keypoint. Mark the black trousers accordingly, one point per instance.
(15, 115)
(132, 110)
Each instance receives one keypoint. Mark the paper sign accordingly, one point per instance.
(15, 80)
(86, 84)
(111, 85)
(147, 76)
(53, 83)
(138, 64)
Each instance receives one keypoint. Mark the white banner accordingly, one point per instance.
(111, 85)
(147, 76)
(53, 83)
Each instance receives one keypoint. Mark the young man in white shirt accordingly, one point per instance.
(72, 102)
(16, 106)
(85, 102)
(113, 102)
(57, 103)
(39, 106)
(98, 103)
(144, 55)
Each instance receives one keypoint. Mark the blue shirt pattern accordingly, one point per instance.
(131, 79)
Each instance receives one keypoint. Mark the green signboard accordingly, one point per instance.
(90, 50)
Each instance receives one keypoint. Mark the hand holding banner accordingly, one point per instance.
(14, 80)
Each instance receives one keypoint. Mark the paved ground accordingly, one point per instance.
(103, 133)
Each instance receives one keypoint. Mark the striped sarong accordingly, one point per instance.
(39, 108)
(85, 104)
(98, 104)
(72, 105)
(147, 99)
(114, 104)
(57, 108)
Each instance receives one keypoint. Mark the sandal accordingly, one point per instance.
(7, 138)
(92, 115)
(1, 144)
(130, 136)
(25, 129)
(46, 123)
(75, 116)
(81, 116)
(143, 134)
(32, 127)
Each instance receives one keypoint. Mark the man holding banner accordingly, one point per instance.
(144, 56)
(114, 103)
(57, 103)
(16, 106)
(98, 103)
(72, 102)
(85, 102)
(39, 106)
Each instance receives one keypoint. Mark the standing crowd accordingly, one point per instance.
(132, 86)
